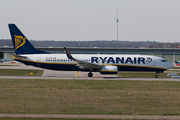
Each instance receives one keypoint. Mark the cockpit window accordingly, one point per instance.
(163, 60)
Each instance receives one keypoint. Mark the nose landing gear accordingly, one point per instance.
(156, 76)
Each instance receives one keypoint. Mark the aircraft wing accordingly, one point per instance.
(82, 64)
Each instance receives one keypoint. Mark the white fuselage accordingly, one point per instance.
(123, 62)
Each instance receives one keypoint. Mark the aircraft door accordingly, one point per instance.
(154, 62)
(38, 61)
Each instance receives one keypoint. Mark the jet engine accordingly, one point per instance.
(108, 69)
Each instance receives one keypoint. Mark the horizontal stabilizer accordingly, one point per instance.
(19, 56)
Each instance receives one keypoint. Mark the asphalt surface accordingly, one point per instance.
(69, 75)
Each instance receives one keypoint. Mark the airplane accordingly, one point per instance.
(104, 64)
(177, 62)
(5, 60)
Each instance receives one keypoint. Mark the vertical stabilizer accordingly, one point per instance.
(21, 43)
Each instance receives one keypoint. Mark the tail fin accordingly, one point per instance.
(176, 62)
(21, 43)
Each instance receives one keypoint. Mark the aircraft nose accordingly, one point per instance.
(170, 65)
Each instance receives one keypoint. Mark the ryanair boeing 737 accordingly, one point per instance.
(105, 64)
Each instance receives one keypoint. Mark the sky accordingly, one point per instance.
(87, 20)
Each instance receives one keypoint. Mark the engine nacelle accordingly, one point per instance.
(108, 69)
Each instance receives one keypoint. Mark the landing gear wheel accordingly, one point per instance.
(90, 74)
(156, 76)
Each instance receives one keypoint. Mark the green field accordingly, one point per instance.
(54, 119)
(89, 96)
(175, 68)
(20, 72)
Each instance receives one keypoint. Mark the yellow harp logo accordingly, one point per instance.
(19, 41)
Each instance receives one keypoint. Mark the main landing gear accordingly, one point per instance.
(90, 74)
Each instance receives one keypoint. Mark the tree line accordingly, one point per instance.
(98, 43)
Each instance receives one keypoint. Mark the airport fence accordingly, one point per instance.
(54, 102)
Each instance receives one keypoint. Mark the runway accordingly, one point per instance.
(69, 75)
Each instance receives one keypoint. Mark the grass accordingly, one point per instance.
(8, 65)
(93, 97)
(175, 68)
(55, 119)
(20, 72)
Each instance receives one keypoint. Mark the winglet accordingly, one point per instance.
(68, 54)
